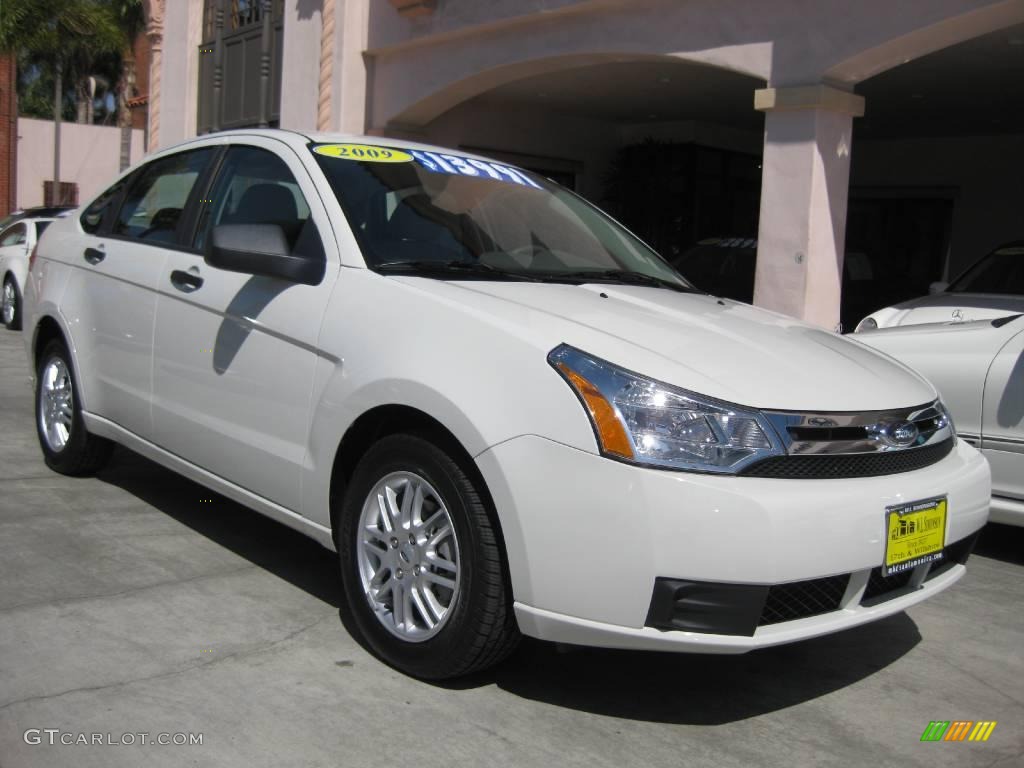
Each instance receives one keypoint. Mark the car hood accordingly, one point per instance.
(941, 307)
(711, 346)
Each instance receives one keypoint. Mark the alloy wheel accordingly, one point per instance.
(10, 301)
(55, 404)
(408, 556)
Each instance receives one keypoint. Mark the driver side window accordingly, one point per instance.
(156, 201)
(255, 186)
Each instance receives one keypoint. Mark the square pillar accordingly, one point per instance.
(804, 190)
(351, 72)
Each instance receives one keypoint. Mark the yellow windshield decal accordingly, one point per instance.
(363, 152)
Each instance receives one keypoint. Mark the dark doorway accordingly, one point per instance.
(897, 243)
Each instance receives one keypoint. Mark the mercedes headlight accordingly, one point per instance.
(643, 421)
(867, 324)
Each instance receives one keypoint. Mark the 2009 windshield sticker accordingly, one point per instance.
(468, 166)
(364, 153)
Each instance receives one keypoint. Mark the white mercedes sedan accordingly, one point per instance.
(978, 368)
(504, 412)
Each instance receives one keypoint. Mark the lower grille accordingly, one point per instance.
(739, 609)
(955, 553)
(834, 466)
(801, 599)
(881, 588)
(879, 585)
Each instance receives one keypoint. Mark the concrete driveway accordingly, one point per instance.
(138, 602)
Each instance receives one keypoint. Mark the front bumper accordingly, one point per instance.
(587, 538)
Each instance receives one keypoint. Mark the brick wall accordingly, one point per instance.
(8, 133)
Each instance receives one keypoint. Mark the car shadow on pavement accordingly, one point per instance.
(1001, 542)
(633, 685)
(703, 689)
(264, 542)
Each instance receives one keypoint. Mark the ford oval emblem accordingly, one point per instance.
(895, 434)
(902, 434)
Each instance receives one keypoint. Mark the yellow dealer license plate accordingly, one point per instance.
(915, 534)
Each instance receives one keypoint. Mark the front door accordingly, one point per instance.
(235, 353)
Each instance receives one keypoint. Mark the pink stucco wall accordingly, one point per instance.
(90, 156)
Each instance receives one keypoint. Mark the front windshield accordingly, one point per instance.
(424, 211)
(1001, 272)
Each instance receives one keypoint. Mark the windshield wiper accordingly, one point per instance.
(475, 268)
(621, 276)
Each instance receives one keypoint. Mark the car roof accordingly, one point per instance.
(299, 139)
(42, 210)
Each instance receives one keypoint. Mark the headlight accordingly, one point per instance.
(867, 324)
(946, 418)
(643, 421)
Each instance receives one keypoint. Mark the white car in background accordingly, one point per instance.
(16, 243)
(992, 287)
(978, 368)
(502, 410)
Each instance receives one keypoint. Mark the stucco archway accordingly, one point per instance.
(428, 108)
(925, 39)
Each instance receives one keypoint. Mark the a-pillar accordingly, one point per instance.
(804, 191)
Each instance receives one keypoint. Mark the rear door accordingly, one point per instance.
(235, 352)
(110, 301)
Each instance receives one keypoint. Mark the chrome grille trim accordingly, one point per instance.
(866, 432)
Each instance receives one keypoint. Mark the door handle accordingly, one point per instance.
(94, 255)
(185, 281)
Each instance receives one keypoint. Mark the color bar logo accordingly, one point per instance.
(958, 730)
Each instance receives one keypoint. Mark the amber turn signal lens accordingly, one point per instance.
(610, 431)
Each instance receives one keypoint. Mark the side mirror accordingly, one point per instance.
(261, 249)
(937, 287)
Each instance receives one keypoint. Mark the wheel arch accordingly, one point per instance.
(391, 419)
(46, 329)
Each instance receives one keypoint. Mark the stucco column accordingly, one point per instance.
(804, 190)
(350, 71)
(325, 90)
(155, 33)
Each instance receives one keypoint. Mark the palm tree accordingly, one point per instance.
(64, 36)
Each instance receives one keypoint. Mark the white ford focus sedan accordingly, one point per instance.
(504, 412)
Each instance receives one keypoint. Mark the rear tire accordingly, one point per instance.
(421, 563)
(67, 445)
(11, 304)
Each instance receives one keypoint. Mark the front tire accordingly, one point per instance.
(11, 304)
(67, 446)
(421, 563)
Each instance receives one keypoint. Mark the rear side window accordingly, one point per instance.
(92, 218)
(156, 200)
(255, 186)
(13, 236)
